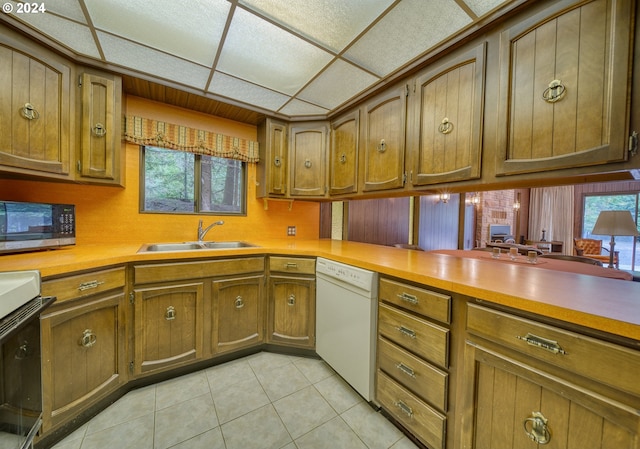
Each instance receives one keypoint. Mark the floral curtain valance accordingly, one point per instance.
(144, 131)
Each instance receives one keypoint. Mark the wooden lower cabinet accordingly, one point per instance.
(83, 355)
(518, 401)
(168, 330)
(237, 313)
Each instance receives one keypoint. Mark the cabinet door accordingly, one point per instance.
(308, 149)
(384, 141)
(168, 329)
(564, 87)
(83, 356)
(100, 146)
(35, 129)
(343, 164)
(271, 172)
(447, 120)
(516, 404)
(292, 310)
(237, 313)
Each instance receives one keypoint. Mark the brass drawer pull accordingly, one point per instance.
(291, 300)
(382, 146)
(88, 339)
(404, 408)
(536, 428)
(406, 331)
(343, 158)
(291, 265)
(554, 92)
(277, 162)
(412, 299)
(99, 130)
(445, 126)
(89, 285)
(29, 112)
(406, 370)
(307, 163)
(170, 314)
(239, 302)
(543, 343)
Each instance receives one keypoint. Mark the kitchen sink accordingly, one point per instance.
(193, 246)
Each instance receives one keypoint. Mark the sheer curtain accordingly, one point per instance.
(551, 209)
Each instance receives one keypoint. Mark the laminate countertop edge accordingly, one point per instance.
(607, 305)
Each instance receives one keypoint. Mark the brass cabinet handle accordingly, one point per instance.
(382, 146)
(277, 162)
(89, 285)
(536, 428)
(291, 265)
(88, 339)
(406, 370)
(343, 158)
(23, 351)
(445, 126)
(412, 299)
(543, 343)
(170, 313)
(406, 331)
(404, 408)
(307, 163)
(239, 302)
(291, 300)
(99, 130)
(29, 112)
(554, 92)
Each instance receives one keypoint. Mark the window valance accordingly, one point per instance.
(144, 131)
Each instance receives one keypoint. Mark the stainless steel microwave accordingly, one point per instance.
(33, 226)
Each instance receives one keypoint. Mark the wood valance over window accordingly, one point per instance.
(144, 131)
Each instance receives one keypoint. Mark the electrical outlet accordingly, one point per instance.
(291, 230)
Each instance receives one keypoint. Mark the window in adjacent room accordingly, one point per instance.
(181, 182)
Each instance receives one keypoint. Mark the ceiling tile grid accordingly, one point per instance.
(294, 58)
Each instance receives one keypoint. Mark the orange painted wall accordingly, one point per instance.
(111, 214)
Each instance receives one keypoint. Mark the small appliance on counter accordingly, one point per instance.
(21, 304)
(34, 226)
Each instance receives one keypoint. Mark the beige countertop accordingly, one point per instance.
(608, 305)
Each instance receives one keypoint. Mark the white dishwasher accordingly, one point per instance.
(346, 317)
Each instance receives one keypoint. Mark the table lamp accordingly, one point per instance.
(614, 222)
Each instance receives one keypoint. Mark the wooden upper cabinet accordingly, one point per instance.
(343, 163)
(564, 87)
(272, 169)
(307, 151)
(35, 109)
(447, 120)
(384, 140)
(99, 152)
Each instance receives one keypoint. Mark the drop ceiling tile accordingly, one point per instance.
(75, 37)
(302, 108)
(189, 30)
(245, 92)
(481, 7)
(331, 23)
(260, 52)
(153, 62)
(409, 30)
(340, 82)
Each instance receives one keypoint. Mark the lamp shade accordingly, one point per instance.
(615, 222)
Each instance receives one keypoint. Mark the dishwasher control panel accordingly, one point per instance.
(359, 277)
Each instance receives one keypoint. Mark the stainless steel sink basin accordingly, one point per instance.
(193, 246)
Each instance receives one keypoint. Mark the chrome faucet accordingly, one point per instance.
(202, 232)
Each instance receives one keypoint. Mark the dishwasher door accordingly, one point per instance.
(346, 318)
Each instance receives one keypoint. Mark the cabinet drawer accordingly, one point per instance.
(298, 265)
(423, 421)
(82, 285)
(418, 300)
(195, 270)
(418, 376)
(592, 358)
(418, 336)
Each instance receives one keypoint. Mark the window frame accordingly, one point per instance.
(197, 174)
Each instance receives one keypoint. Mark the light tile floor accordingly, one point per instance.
(262, 401)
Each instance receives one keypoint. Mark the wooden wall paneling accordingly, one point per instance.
(380, 221)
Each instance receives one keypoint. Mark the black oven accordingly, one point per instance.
(20, 359)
